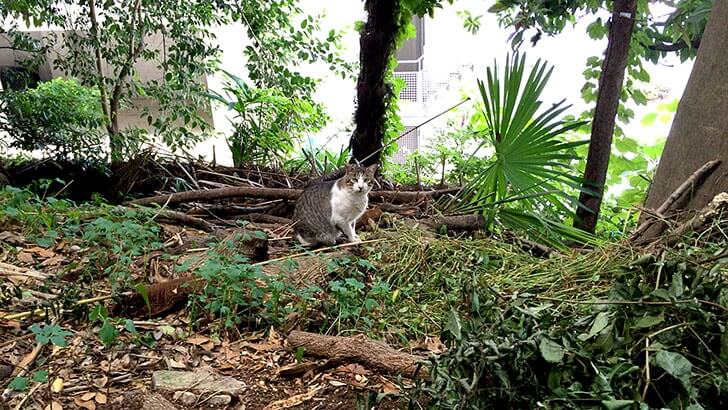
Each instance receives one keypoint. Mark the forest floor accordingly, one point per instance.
(122, 307)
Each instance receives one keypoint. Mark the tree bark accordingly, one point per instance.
(377, 42)
(610, 88)
(699, 131)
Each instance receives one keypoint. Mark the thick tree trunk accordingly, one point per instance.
(377, 42)
(610, 88)
(699, 131)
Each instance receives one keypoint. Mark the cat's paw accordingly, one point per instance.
(355, 238)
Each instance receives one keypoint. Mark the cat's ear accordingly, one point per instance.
(372, 169)
(348, 167)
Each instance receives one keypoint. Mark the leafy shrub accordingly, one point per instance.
(321, 161)
(267, 122)
(60, 118)
(658, 341)
(238, 292)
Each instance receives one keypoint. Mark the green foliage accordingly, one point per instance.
(319, 161)
(240, 293)
(451, 156)
(117, 235)
(267, 122)
(116, 34)
(575, 353)
(50, 334)
(530, 166)
(59, 117)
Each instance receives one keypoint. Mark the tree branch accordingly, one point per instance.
(677, 46)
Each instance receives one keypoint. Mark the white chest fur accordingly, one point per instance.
(347, 206)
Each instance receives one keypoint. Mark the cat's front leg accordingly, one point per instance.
(348, 230)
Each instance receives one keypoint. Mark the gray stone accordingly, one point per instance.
(185, 397)
(221, 400)
(198, 381)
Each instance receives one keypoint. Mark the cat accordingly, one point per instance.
(326, 209)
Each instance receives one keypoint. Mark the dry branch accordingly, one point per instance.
(184, 219)
(699, 222)
(7, 269)
(359, 349)
(278, 193)
(691, 184)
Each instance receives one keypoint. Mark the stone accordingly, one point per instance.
(221, 400)
(197, 381)
(185, 397)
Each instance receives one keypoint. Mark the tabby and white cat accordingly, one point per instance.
(326, 209)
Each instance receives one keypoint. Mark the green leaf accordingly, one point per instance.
(108, 333)
(59, 340)
(99, 312)
(649, 119)
(600, 322)
(19, 383)
(648, 321)
(497, 8)
(617, 404)
(551, 351)
(41, 376)
(676, 287)
(676, 365)
(453, 324)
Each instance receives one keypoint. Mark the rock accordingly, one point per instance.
(197, 381)
(221, 400)
(185, 397)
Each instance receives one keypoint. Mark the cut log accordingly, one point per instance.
(279, 193)
(456, 222)
(359, 349)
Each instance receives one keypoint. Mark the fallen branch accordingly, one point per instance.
(7, 269)
(359, 349)
(700, 221)
(694, 181)
(185, 219)
(277, 193)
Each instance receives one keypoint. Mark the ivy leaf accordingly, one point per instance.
(648, 321)
(40, 376)
(600, 322)
(676, 365)
(19, 383)
(551, 351)
(108, 333)
(617, 404)
(453, 324)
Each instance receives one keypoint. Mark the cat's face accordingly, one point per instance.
(358, 178)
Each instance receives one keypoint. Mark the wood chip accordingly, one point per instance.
(85, 404)
(88, 396)
(100, 398)
(293, 400)
(54, 405)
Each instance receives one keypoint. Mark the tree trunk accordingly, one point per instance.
(610, 88)
(377, 43)
(699, 131)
